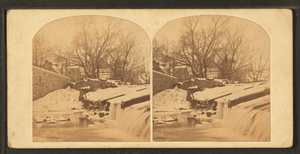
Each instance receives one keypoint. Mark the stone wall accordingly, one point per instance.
(94, 84)
(162, 82)
(201, 84)
(45, 81)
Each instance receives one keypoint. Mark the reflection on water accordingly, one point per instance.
(182, 122)
(190, 129)
(74, 122)
(235, 127)
(181, 130)
(76, 130)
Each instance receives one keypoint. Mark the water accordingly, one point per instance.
(80, 130)
(183, 121)
(254, 124)
(247, 121)
(135, 122)
(190, 129)
(239, 124)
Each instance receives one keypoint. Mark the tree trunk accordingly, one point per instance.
(205, 72)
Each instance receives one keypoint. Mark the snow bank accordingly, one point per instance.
(170, 100)
(131, 95)
(194, 87)
(209, 93)
(102, 94)
(62, 99)
(87, 87)
(242, 93)
(113, 81)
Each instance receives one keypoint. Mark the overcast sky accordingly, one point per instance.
(61, 32)
(256, 35)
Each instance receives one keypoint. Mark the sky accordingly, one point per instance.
(256, 35)
(60, 33)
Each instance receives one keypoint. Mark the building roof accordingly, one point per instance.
(213, 69)
(181, 66)
(73, 67)
(106, 70)
(52, 69)
(159, 69)
(56, 69)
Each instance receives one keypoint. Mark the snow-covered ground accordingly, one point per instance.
(209, 93)
(170, 100)
(102, 94)
(134, 123)
(212, 92)
(248, 121)
(62, 99)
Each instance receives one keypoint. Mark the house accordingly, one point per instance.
(105, 72)
(159, 67)
(184, 72)
(117, 73)
(181, 72)
(51, 67)
(212, 73)
(74, 73)
(138, 76)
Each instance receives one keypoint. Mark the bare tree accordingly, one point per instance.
(162, 53)
(259, 67)
(91, 43)
(234, 54)
(210, 42)
(198, 43)
(146, 78)
(41, 50)
(127, 56)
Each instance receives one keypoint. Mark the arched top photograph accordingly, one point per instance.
(149, 78)
(91, 81)
(212, 72)
(92, 43)
(208, 43)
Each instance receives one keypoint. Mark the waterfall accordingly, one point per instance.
(118, 111)
(112, 111)
(251, 119)
(134, 121)
(261, 126)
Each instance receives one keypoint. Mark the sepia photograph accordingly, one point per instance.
(211, 78)
(149, 78)
(91, 81)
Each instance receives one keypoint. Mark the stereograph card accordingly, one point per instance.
(155, 78)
